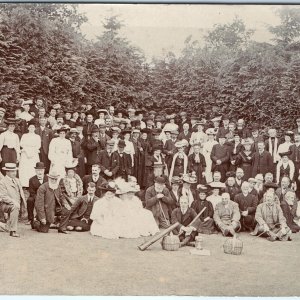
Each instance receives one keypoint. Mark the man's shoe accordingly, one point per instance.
(14, 234)
(63, 231)
(271, 238)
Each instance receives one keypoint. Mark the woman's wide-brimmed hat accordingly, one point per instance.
(102, 111)
(202, 188)
(171, 116)
(109, 187)
(64, 128)
(286, 153)
(10, 167)
(217, 185)
(210, 131)
(72, 165)
(179, 144)
(189, 179)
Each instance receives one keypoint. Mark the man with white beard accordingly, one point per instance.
(50, 203)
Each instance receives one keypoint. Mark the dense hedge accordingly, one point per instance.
(43, 54)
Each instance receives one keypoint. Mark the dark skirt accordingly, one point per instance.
(8, 156)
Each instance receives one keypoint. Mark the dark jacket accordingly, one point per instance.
(152, 202)
(79, 208)
(47, 200)
(89, 178)
(183, 219)
(92, 150)
(125, 165)
(110, 163)
(46, 137)
(262, 164)
(248, 203)
(34, 184)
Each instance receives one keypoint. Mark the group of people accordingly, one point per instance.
(125, 173)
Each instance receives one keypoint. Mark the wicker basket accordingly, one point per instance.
(233, 246)
(170, 243)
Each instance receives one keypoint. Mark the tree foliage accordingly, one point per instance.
(43, 54)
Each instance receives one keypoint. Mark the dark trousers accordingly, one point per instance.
(77, 223)
(248, 223)
(44, 158)
(61, 213)
(30, 208)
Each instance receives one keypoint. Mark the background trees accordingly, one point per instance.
(43, 54)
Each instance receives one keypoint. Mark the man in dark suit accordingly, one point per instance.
(295, 157)
(262, 161)
(125, 161)
(103, 137)
(34, 183)
(46, 135)
(247, 204)
(220, 157)
(95, 178)
(184, 215)
(87, 129)
(50, 203)
(78, 217)
(92, 149)
(109, 161)
(159, 201)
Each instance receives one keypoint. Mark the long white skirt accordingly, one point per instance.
(26, 168)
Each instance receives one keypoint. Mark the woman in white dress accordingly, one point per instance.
(106, 214)
(60, 152)
(285, 147)
(30, 147)
(206, 151)
(215, 197)
(136, 220)
(115, 137)
(198, 137)
(101, 120)
(129, 148)
(171, 125)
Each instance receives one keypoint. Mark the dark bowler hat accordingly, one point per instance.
(39, 166)
(135, 123)
(80, 123)
(271, 185)
(121, 144)
(125, 131)
(230, 174)
(156, 131)
(95, 129)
